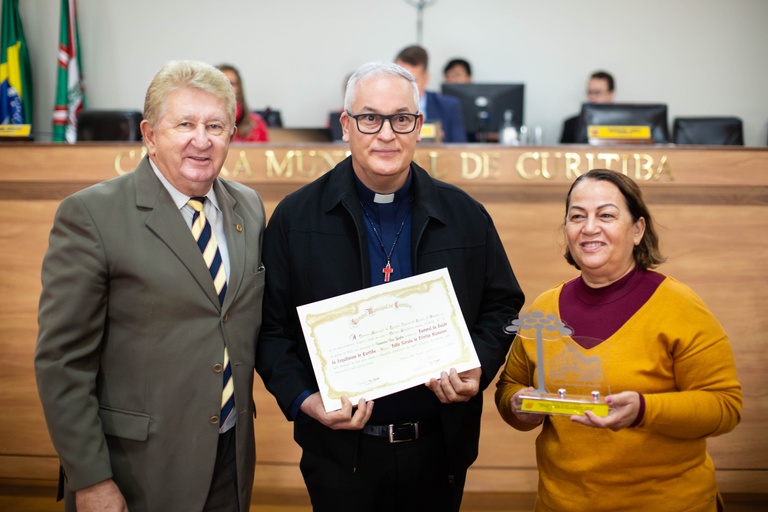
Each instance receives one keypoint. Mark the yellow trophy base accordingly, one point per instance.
(554, 404)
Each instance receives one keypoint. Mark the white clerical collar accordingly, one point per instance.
(383, 198)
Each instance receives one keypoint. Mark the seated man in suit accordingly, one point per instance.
(600, 89)
(457, 71)
(434, 106)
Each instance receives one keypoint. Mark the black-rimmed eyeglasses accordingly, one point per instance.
(402, 123)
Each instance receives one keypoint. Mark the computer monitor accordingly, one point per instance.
(716, 131)
(483, 106)
(653, 115)
(109, 125)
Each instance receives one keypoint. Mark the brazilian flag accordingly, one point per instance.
(15, 69)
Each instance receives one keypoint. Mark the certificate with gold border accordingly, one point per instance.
(384, 339)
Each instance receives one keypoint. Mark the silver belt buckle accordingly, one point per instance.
(395, 434)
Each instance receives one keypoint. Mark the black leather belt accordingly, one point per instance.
(401, 432)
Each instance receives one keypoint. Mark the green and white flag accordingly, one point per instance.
(70, 89)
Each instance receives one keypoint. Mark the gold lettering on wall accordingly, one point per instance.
(572, 164)
(536, 165)
(523, 170)
(481, 165)
(607, 158)
(545, 172)
(282, 169)
(643, 167)
(664, 169)
(307, 165)
(241, 165)
(477, 165)
(431, 166)
(126, 161)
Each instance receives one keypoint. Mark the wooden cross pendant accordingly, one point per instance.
(386, 271)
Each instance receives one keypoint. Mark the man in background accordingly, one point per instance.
(600, 89)
(436, 107)
(457, 71)
(149, 315)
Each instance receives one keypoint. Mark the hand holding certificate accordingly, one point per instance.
(384, 339)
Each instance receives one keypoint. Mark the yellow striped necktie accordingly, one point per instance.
(206, 241)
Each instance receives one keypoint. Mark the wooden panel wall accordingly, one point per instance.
(711, 206)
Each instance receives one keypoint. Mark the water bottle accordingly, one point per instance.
(508, 132)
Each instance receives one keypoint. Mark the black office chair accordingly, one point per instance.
(713, 131)
(272, 117)
(109, 125)
(337, 133)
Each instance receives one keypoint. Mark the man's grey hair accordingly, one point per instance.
(374, 70)
(191, 74)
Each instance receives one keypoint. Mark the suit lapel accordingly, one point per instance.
(234, 230)
(165, 220)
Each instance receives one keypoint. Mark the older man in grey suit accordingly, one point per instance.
(149, 315)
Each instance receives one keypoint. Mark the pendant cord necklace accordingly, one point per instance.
(387, 270)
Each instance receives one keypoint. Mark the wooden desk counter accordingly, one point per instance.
(711, 205)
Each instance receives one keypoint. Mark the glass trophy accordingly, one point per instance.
(569, 375)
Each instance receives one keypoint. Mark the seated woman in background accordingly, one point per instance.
(251, 127)
(667, 360)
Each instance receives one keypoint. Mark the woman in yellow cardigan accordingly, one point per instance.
(667, 360)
